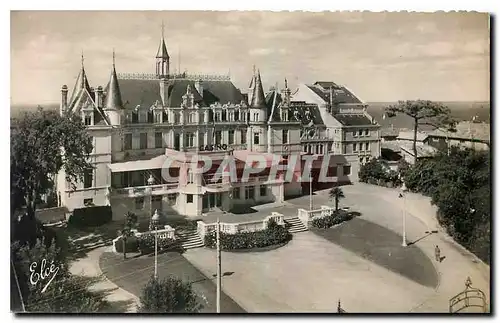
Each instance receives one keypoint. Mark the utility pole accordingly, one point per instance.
(310, 189)
(218, 266)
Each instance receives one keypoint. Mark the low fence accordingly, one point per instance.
(247, 226)
(306, 216)
(52, 215)
(167, 233)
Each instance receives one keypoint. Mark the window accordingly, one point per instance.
(139, 203)
(150, 116)
(347, 170)
(218, 137)
(231, 116)
(171, 199)
(367, 146)
(158, 118)
(189, 139)
(256, 116)
(367, 132)
(284, 116)
(224, 115)
(230, 140)
(177, 118)
(237, 116)
(190, 198)
(88, 120)
(143, 141)
(190, 177)
(354, 134)
(316, 149)
(305, 148)
(217, 116)
(190, 117)
(128, 141)
(236, 193)
(88, 202)
(165, 117)
(135, 117)
(263, 190)
(354, 147)
(321, 149)
(158, 140)
(344, 149)
(285, 136)
(88, 178)
(249, 192)
(256, 138)
(360, 132)
(243, 136)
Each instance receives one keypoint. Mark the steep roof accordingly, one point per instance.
(340, 93)
(258, 98)
(408, 135)
(305, 113)
(146, 92)
(273, 100)
(162, 50)
(353, 119)
(113, 98)
(81, 84)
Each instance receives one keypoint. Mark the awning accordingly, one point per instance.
(158, 162)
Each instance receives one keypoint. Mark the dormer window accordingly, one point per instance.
(135, 117)
(150, 117)
(165, 117)
(158, 117)
(256, 117)
(284, 115)
(88, 119)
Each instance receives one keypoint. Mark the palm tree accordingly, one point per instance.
(336, 193)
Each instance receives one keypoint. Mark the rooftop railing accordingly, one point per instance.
(183, 76)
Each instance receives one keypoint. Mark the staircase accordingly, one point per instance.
(190, 239)
(296, 225)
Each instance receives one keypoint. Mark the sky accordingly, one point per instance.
(381, 57)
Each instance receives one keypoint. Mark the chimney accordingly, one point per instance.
(331, 99)
(199, 87)
(64, 99)
(99, 96)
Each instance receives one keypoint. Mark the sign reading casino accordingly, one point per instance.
(213, 147)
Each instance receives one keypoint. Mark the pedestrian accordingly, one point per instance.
(437, 252)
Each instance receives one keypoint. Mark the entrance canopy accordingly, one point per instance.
(157, 162)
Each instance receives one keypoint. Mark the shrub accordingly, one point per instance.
(146, 243)
(131, 244)
(273, 235)
(331, 220)
(169, 295)
(92, 216)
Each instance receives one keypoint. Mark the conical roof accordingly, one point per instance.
(162, 50)
(258, 98)
(113, 96)
(81, 84)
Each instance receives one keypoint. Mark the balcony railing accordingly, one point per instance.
(143, 190)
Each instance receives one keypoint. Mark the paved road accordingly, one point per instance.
(311, 273)
(132, 275)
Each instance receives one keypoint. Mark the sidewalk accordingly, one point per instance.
(458, 264)
(89, 266)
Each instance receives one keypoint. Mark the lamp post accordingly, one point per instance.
(310, 188)
(150, 181)
(404, 189)
(156, 219)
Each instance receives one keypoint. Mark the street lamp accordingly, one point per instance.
(310, 188)
(404, 189)
(150, 181)
(155, 220)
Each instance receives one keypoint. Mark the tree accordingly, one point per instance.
(169, 295)
(374, 169)
(126, 232)
(423, 113)
(42, 144)
(336, 194)
(66, 293)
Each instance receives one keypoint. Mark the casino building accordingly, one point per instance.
(143, 125)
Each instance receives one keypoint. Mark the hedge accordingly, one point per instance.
(131, 244)
(91, 216)
(331, 220)
(146, 243)
(273, 235)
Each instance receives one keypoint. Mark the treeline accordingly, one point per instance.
(459, 185)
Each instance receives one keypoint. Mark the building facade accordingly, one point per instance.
(147, 126)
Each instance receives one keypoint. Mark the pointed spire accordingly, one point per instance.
(286, 83)
(258, 98)
(162, 50)
(113, 96)
(81, 84)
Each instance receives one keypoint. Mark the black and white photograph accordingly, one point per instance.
(247, 162)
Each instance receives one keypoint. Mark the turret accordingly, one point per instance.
(258, 101)
(113, 105)
(162, 58)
